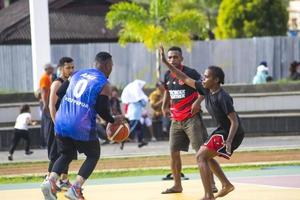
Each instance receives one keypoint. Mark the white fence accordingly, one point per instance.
(238, 58)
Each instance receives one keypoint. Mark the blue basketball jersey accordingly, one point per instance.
(76, 117)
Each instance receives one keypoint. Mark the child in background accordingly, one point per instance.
(21, 131)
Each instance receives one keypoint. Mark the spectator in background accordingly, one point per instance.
(21, 131)
(45, 84)
(293, 28)
(146, 121)
(269, 79)
(134, 115)
(115, 107)
(261, 73)
(294, 71)
(66, 68)
(161, 124)
(134, 96)
(115, 102)
(56, 72)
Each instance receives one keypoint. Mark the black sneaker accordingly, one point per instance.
(64, 185)
(28, 152)
(142, 144)
(10, 157)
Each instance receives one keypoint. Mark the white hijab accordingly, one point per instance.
(133, 92)
(262, 68)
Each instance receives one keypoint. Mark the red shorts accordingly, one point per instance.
(216, 143)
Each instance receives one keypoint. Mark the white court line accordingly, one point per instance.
(268, 186)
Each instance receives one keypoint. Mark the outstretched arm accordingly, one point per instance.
(180, 75)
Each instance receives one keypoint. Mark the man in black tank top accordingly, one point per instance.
(66, 68)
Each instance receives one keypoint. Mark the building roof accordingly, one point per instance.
(71, 21)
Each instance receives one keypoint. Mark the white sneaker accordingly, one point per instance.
(153, 139)
(49, 192)
(74, 194)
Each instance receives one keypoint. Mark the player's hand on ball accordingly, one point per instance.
(228, 147)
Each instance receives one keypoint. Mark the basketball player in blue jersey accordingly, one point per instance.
(229, 133)
(75, 124)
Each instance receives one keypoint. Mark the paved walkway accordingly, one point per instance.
(162, 148)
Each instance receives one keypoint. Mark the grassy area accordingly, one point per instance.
(140, 172)
(287, 81)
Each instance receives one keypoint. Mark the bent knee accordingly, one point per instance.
(202, 155)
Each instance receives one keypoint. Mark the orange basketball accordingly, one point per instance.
(117, 133)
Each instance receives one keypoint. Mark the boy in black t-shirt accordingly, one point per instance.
(229, 134)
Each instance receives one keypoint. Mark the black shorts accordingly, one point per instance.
(68, 146)
(216, 142)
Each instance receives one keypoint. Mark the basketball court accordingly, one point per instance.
(275, 183)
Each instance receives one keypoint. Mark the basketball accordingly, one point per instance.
(117, 133)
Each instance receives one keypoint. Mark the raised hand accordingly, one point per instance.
(162, 54)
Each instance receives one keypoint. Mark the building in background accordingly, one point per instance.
(71, 21)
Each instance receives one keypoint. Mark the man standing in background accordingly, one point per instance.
(66, 67)
(160, 123)
(45, 84)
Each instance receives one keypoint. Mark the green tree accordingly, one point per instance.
(209, 8)
(249, 18)
(154, 25)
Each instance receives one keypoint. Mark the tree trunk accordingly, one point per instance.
(157, 65)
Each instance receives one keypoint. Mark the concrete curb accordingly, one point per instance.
(271, 163)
